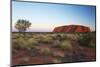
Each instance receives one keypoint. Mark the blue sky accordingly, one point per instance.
(45, 17)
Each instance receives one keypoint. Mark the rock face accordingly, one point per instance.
(72, 28)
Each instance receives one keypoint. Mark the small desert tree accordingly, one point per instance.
(22, 25)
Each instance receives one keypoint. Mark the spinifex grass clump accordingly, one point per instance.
(46, 39)
(92, 44)
(46, 51)
(66, 44)
(18, 43)
(21, 43)
(32, 43)
(87, 40)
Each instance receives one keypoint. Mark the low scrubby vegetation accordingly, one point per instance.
(53, 44)
(87, 40)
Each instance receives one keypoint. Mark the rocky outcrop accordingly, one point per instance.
(72, 28)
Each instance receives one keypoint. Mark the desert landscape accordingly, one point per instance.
(53, 47)
(50, 33)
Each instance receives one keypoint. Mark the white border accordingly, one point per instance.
(5, 33)
(86, 2)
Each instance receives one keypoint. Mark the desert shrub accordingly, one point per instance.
(15, 45)
(93, 40)
(46, 39)
(21, 42)
(21, 34)
(56, 43)
(65, 45)
(46, 51)
(87, 40)
(60, 37)
(64, 36)
(28, 35)
(72, 37)
(92, 44)
(38, 37)
(15, 36)
(32, 43)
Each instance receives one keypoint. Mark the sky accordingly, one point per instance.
(45, 17)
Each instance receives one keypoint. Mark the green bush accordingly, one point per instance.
(32, 43)
(15, 36)
(87, 40)
(46, 51)
(46, 39)
(20, 43)
(92, 44)
(24, 43)
(15, 44)
(56, 43)
(65, 45)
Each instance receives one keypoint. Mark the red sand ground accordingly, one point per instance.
(24, 56)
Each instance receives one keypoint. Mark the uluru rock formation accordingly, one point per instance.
(72, 28)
